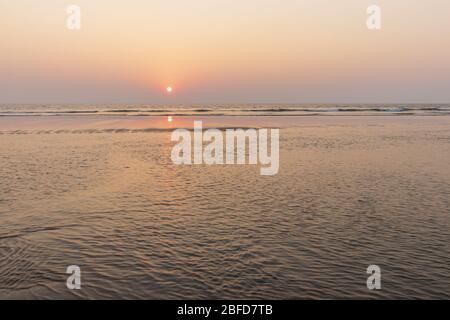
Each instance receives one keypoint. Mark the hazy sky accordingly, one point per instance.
(222, 51)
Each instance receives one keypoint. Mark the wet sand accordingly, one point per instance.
(101, 192)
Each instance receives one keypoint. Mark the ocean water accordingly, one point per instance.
(100, 191)
(227, 109)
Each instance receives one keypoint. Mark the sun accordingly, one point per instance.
(169, 89)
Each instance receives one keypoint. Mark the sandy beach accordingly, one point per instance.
(101, 192)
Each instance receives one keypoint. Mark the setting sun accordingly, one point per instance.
(169, 89)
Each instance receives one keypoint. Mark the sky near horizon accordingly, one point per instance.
(223, 51)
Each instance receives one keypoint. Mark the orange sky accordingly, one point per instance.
(224, 51)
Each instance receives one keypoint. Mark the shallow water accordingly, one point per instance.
(105, 196)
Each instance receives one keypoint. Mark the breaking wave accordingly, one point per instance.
(218, 110)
